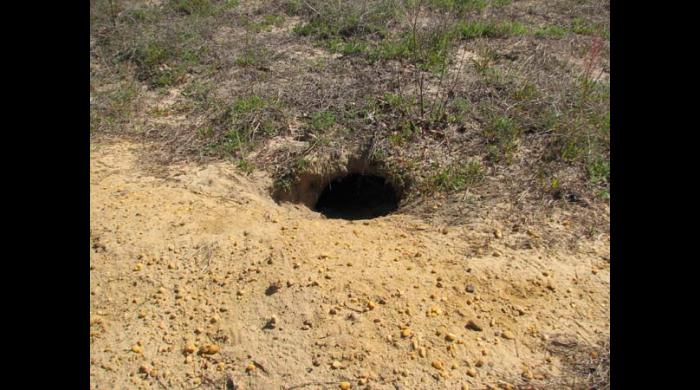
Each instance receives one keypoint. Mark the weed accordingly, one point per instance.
(301, 163)
(580, 26)
(599, 171)
(266, 23)
(201, 7)
(502, 134)
(246, 121)
(458, 110)
(550, 32)
(458, 6)
(347, 19)
(192, 7)
(205, 131)
(490, 29)
(457, 177)
(246, 166)
(321, 121)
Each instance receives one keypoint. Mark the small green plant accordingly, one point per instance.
(525, 92)
(346, 20)
(458, 176)
(458, 6)
(246, 166)
(205, 131)
(201, 8)
(266, 23)
(322, 121)
(459, 108)
(301, 164)
(502, 134)
(550, 32)
(599, 171)
(490, 29)
(193, 7)
(157, 63)
(554, 185)
(245, 121)
(580, 26)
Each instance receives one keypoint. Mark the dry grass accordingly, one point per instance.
(521, 89)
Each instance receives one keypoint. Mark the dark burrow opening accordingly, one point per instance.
(357, 196)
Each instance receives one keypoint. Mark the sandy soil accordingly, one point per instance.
(199, 278)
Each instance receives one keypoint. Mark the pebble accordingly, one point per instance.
(138, 266)
(473, 326)
(470, 288)
(438, 365)
(507, 335)
(421, 352)
(209, 349)
(136, 349)
(527, 374)
(471, 372)
(335, 365)
(497, 233)
(450, 337)
(345, 385)
(250, 367)
(371, 305)
(189, 348)
(273, 288)
(406, 332)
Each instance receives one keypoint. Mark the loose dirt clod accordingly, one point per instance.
(473, 326)
(209, 349)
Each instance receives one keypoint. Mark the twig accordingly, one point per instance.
(161, 382)
(312, 8)
(352, 308)
(309, 384)
(260, 366)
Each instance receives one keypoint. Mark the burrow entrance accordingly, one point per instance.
(357, 196)
(346, 188)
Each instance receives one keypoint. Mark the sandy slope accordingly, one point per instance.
(187, 258)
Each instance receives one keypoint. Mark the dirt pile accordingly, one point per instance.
(199, 279)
